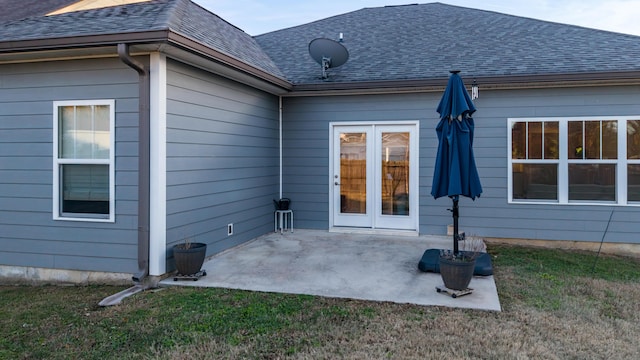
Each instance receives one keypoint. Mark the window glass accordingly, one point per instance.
(633, 153)
(592, 140)
(592, 182)
(576, 149)
(101, 136)
(535, 181)
(551, 136)
(534, 132)
(518, 140)
(609, 140)
(534, 140)
(633, 139)
(633, 182)
(353, 173)
(66, 143)
(85, 189)
(395, 173)
(84, 132)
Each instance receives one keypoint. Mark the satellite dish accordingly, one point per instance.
(328, 53)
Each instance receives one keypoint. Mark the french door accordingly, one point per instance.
(374, 176)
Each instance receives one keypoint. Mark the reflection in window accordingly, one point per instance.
(633, 139)
(633, 156)
(84, 132)
(592, 182)
(353, 173)
(85, 189)
(534, 140)
(589, 140)
(633, 182)
(597, 163)
(535, 181)
(534, 145)
(395, 173)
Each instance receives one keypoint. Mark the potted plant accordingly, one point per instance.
(189, 257)
(457, 269)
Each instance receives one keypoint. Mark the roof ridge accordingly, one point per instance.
(176, 13)
(526, 17)
(193, 3)
(219, 34)
(413, 43)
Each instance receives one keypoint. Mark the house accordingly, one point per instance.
(127, 129)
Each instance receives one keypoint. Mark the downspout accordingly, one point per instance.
(280, 137)
(143, 160)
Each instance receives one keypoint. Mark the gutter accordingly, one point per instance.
(28, 49)
(14, 48)
(502, 82)
(143, 160)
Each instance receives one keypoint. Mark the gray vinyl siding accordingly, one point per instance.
(222, 159)
(306, 160)
(28, 235)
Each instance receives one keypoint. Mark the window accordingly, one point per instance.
(633, 160)
(535, 154)
(575, 160)
(83, 171)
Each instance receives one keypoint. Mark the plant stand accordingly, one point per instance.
(454, 293)
(193, 277)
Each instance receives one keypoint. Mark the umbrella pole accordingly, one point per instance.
(456, 237)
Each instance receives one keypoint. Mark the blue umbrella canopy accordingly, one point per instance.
(455, 171)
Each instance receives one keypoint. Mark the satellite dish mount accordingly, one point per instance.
(328, 53)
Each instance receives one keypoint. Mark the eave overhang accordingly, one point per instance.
(187, 50)
(174, 45)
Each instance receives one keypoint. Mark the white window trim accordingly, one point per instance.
(57, 215)
(563, 161)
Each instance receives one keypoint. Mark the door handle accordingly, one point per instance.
(336, 183)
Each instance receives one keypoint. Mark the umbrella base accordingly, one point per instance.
(453, 293)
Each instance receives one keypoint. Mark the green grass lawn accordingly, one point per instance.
(555, 305)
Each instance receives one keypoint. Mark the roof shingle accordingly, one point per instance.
(180, 16)
(394, 43)
(426, 41)
(11, 10)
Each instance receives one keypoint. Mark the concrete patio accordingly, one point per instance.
(343, 265)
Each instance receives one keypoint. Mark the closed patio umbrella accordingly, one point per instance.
(455, 170)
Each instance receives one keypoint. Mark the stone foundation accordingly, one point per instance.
(14, 275)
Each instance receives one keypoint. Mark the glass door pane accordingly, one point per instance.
(353, 173)
(395, 173)
(396, 185)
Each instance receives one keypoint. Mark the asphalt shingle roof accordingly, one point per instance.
(409, 42)
(11, 10)
(180, 16)
(426, 41)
